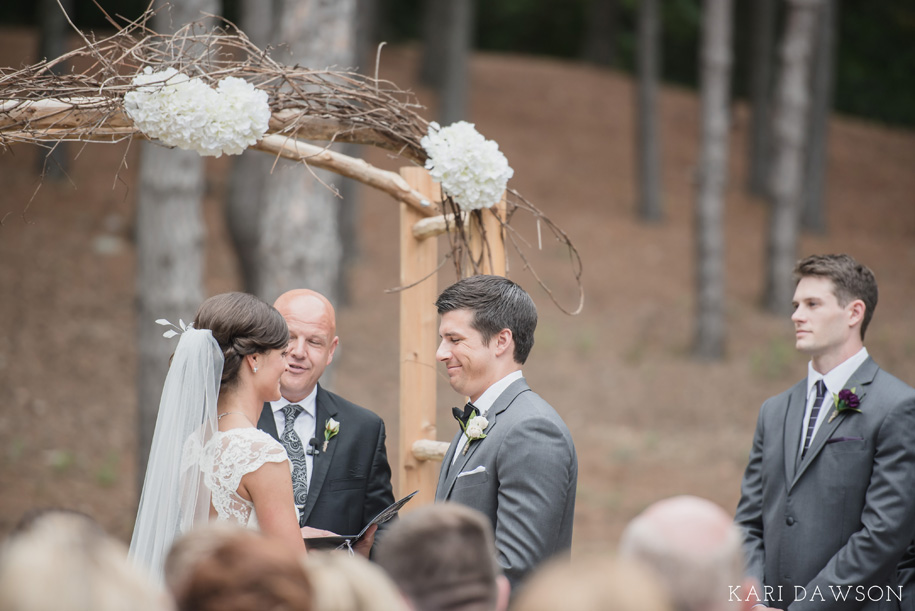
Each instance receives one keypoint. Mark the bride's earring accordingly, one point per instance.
(255, 370)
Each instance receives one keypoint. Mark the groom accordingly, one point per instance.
(516, 462)
(341, 480)
(828, 498)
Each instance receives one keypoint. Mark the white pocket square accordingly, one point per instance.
(480, 469)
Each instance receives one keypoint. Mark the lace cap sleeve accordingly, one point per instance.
(237, 452)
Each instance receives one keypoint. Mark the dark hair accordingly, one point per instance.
(242, 324)
(244, 572)
(497, 303)
(851, 280)
(441, 555)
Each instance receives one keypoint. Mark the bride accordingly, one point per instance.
(208, 460)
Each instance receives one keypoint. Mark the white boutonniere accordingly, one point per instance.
(331, 428)
(474, 430)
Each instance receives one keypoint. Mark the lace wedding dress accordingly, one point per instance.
(227, 457)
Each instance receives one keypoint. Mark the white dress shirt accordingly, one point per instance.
(304, 424)
(486, 400)
(835, 380)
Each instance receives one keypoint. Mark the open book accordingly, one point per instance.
(347, 541)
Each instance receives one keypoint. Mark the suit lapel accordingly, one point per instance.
(860, 381)
(267, 422)
(320, 464)
(794, 422)
(501, 404)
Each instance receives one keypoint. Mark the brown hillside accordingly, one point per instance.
(648, 421)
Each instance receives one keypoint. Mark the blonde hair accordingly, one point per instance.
(350, 583)
(592, 584)
(64, 561)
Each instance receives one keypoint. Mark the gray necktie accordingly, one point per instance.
(814, 413)
(296, 453)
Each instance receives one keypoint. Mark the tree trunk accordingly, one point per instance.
(814, 215)
(435, 24)
(169, 249)
(251, 169)
(299, 243)
(716, 63)
(458, 36)
(760, 141)
(51, 44)
(600, 35)
(648, 68)
(789, 132)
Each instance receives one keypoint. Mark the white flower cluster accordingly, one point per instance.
(187, 113)
(470, 168)
(475, 427)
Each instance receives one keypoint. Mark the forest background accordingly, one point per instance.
(649, 419)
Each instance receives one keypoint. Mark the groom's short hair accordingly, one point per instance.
(442, 556)
(497, 303)
(851, 280)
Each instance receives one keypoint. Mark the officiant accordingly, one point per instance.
(340, 472)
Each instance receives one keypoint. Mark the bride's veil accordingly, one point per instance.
(174, 497)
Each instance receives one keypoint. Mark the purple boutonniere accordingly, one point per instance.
(845, 401)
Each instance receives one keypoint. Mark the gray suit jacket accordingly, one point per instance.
(839, 520)
(522, 476)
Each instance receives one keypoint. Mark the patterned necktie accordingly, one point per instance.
(470, 410)
(296, 453)
(814, 412)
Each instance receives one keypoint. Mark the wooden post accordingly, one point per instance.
(418, 334)
(492, 258)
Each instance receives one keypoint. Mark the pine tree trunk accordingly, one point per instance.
(814, 215)
(170, 236)
(435, 23)
(789, 132)
(716, 63)
(600, 35)
(762, 52)
(458, 36)
(648, 67)
(299, 242)
(52, 44)
(251, 169)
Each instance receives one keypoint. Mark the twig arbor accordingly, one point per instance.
(86, 104)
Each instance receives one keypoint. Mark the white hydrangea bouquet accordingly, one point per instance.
(184, 111)
(471, 169)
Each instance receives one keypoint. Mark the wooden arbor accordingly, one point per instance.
(420, 453)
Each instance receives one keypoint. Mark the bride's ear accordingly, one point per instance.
(251, 360)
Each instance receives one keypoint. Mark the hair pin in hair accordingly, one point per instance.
(176, 330)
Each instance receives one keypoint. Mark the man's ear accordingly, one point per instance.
(504, 341)
(856, 311)
(333, 348)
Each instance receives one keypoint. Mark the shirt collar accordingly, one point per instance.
(492, 393)
(308, 404)
(836, 378)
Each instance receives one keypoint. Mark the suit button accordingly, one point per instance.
(789, 521)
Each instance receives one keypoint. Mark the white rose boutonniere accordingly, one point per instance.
(331, 428)
(474, 430)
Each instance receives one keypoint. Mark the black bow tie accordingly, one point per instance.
(463, 417)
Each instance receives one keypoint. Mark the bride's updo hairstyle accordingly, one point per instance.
(242, 324)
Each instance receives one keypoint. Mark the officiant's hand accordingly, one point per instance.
(313, 533)
(363, 546)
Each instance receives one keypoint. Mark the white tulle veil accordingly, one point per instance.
(174, 497)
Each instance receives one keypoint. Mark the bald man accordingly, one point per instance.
(341, 479)
(696, 551)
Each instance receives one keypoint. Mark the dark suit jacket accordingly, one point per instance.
(522, 476)
(845, 514)
(351, 481)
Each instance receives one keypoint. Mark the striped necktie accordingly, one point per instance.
(814, 413)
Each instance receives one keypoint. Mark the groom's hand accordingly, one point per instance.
(363, 546)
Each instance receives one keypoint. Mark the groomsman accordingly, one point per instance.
(513, 458)
(341, 475)
(828, 498)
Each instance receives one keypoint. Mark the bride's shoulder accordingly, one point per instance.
(248, 438)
